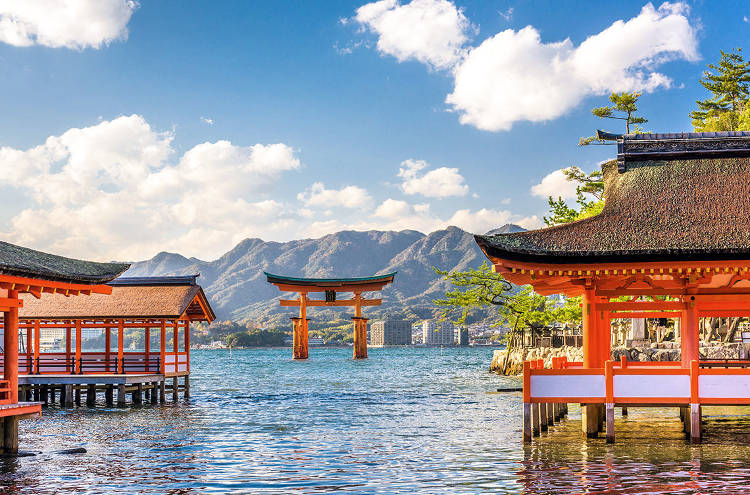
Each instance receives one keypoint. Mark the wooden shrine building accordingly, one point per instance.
(26, 273)
(673, 241)
(330, 287)
(138, 337)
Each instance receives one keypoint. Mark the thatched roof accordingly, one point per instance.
(145, 297)
(672, 209)
(23, 262)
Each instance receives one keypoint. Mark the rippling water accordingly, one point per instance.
(403, 421)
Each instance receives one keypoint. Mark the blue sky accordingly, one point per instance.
(187, 126)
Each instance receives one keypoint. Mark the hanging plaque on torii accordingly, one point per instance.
(330, 287)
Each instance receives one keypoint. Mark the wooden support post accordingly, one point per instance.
(610, 414)
(77, 394)
(29, 349)
(590, 420)
(162, 392)
(68, 392)
(689, 339)
(52, 390)
(10, 435)
(121, 395)
(624, 411)
(45, 395)
(154, 392)
(175, 388)
(187, 352)
(78, 347)
(109, 394)
(536, 429)
(120, 350)
(37, 391)
(527, 422)
(37, 336)
(591, 352)
(543, 424)
(163, 348)
(107, 347)
(10, 348)
(299, 338)
(186, 390)
(550, 413)
(138, 394)
(695, 423)
(147, 347)
(91, 395)
(68, 343)
(360, 337)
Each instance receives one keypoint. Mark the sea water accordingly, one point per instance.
(406, 420)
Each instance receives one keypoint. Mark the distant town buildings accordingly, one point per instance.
(438, 332)
(390, 332)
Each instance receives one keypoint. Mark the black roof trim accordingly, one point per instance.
(681, 146)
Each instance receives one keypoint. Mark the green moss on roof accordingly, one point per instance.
(24, 262)
(656, 210)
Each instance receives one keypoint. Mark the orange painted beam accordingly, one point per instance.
(24, 284)
(338, 288)
(642, 305)
(645, 314)
(342, 302)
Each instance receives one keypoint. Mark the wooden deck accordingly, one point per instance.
(632, 384)
(67, 389)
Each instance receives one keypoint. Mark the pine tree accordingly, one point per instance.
(624, 106)
(729, 83)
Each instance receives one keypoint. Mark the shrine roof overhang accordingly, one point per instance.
(126, 301)
(375, 282)
(661, 206)
(17, 261)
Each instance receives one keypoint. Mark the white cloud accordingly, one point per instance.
(507, 15)
(555, 184)
(75, 24)
(441, 182)
(348, 197)
(207, 120)
(111, 191)
(430, 31)
(514, 76)
(744, 18)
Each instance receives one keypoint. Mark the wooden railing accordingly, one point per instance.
(5, 397)
(176, 363)
(89, 363)
(624, 382)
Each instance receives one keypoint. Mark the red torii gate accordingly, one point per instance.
(330, 286)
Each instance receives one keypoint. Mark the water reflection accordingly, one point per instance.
(404, 421)
(650, 456)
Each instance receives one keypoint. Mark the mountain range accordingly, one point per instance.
(237, 288)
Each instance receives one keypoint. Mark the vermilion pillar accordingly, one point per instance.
(10, 366)
(604, 329)
(591, 348)
(689, 339)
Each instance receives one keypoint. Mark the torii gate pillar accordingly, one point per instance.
(299, 338)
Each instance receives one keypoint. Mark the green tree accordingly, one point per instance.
(729, 84)
(589, 197)
(624, 106)
(518, 307)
